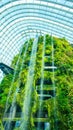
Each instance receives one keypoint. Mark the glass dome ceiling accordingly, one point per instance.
(22, 19)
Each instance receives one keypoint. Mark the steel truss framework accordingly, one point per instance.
(22, 19)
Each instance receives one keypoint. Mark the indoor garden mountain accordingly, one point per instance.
(37, 94)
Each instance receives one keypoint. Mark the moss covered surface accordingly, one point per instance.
(57, 110)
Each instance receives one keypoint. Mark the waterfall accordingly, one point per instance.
(12, 111)
(28, 88)
(41, 84)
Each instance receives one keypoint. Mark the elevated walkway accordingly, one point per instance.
(6, 69)
(18, 119)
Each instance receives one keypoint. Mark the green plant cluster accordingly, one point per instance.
(59, 109)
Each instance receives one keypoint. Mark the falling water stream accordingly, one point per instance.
(41, 85)
(47, 126)
(28, 88)
(53, 84)
(11, 86)
(13, 105)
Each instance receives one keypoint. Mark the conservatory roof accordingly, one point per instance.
(22, 19)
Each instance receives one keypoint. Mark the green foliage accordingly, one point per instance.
(63, 58)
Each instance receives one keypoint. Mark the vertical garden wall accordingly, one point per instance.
(57, 109)
(36, 65)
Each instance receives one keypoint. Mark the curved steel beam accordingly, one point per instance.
(46, 31)
(45, 15)
(21, 32)
(8, 37)
(38, 19)
(9, 11)
(15, 48)
(58, 4)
